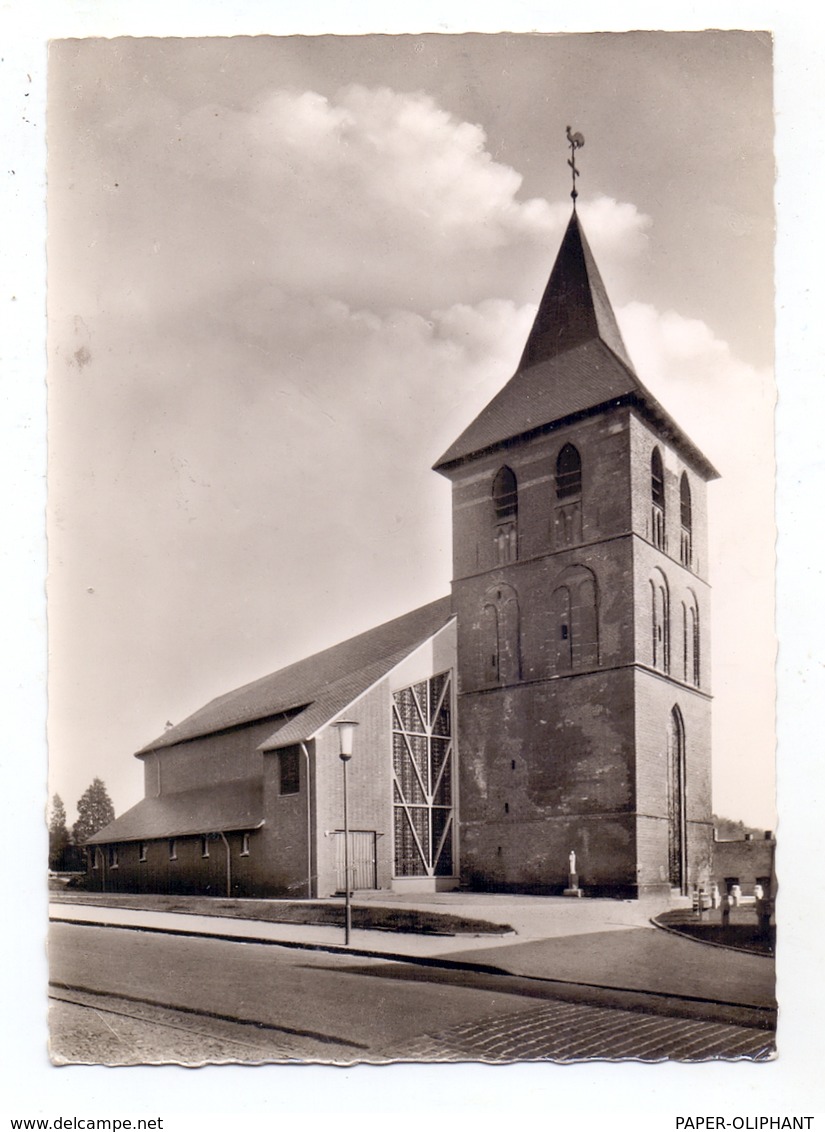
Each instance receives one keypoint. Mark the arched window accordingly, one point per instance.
(505, 494)
(505, 507)
(500, 637)
(676, 807)
(567, 519)
(686, 512)
(585, 619)
(657, 499)
(562, 628)
(660, 622)
(574, 621)
(489, 652)
(690, 641)
(694, 632)
(568, 473)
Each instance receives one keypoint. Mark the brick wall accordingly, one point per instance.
(642, 440)
(555, 759)
(189, 873)
(546, 768)
(285, 841)
(603, 444)
(369, 787)
(212, 759)
(746, 860)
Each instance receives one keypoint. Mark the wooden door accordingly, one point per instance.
(361, 859)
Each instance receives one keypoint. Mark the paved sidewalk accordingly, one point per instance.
(608, 944)
(531, 917)
(391, 944)
(652, 961)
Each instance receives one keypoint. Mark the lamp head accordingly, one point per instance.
(346, 728)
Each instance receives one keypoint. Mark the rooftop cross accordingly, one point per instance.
(576, 141)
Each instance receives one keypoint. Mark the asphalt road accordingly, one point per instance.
(131, 997)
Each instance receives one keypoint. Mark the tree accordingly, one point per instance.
(58, 833)
(731, 829)
(94, 810)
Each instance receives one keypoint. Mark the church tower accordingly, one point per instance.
(580, 587)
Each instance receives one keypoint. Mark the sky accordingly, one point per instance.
(285, 273)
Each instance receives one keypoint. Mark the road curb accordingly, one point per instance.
(762, 1017)
(710, 942)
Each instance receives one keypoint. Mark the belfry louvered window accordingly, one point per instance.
(505, 506)
(657, 499)
(422, 756)
(505, 495)
(686, 513)
(568, 473)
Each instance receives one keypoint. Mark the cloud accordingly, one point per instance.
(379, 199)
(725, 403)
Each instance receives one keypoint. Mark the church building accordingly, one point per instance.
(557, 701)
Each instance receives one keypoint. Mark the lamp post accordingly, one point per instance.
(346, 727)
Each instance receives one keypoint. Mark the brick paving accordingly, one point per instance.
(90, 1030)
(571, 1032)
(87, 1030)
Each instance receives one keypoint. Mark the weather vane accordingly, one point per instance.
(576, 141)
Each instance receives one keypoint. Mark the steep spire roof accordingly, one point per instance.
(574, 307)
(574, 363)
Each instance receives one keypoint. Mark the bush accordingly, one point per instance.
(79, 881)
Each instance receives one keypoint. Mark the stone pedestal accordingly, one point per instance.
(573, 885)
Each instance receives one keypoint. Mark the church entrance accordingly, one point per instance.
(361, 860)
(677, 831)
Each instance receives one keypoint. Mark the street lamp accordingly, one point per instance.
(346, 727)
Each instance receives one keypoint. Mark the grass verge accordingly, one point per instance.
(371, 917)
(741, 934)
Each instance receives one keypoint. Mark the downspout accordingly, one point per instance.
(303, 747)
(228, 863)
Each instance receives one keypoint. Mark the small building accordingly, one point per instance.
(746, 861)
(558, 700)
(245, 797)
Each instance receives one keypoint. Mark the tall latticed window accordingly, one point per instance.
(422, 758)
(657, 499)
(686, 511)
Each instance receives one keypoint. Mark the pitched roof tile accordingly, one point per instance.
(574, 307)
(323, 683)
(237, 805)
(574, 362)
